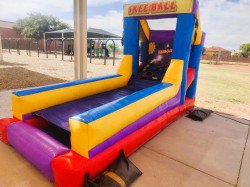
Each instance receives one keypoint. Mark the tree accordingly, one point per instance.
(117, 47)
(36, 24)
(203, 50)
(245, 50)
(111, 46)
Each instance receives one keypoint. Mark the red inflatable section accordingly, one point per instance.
(190, 76)
(38, 122)
(4, 123)
(69, 169)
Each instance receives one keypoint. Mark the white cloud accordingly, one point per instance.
(226, 23)
(111, 21)
(101, 2)
(163, 24)
(14, 9)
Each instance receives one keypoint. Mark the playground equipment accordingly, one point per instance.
(70, 51)
(94, 50)
(102, 49)
(67, 130)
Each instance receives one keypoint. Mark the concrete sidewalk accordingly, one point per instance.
(213, 153)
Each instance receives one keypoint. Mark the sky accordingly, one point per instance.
(226, 22)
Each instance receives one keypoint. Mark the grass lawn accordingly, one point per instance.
(225, 88)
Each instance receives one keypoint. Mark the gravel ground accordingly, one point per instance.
(22, 71)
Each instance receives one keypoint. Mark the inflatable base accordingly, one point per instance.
(36, 146)
(70, 168)
(4, 123)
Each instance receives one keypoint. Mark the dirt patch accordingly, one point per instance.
(58, 68)
(19, 77)
(21, 71)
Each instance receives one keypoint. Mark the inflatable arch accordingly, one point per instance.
(67, 130)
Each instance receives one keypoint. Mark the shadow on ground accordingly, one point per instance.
(4, 63)
(19, 77)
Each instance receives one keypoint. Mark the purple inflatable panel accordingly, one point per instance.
(35, 145)
(203, 38)
(169, 105)
(161, 36)
(195, 7)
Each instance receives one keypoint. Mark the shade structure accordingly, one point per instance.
(91, 33)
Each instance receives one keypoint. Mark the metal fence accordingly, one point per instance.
(217, 60)
(18, 44)
(97, 48)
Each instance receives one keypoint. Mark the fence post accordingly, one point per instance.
(38, 49)
(26, 46)
(90, 57)
(114, 53)
(105, 48)
(30, 47)
(63, 49)
(9, 44)
(1, 49)
(55, 42)
(17, 47)
(46, 47)
(71, 49)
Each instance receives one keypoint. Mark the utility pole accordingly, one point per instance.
(80, 38)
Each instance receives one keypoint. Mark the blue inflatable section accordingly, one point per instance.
(31, 91)
(131, 41)
(182, 45)
(108, 108)
(194, 63)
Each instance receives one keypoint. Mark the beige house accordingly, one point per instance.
(215, 51)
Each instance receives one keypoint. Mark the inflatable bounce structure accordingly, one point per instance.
(69, 129)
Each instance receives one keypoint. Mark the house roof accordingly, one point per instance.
(62, 31)
(216, 49)
(6, 24)
(102, 32)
